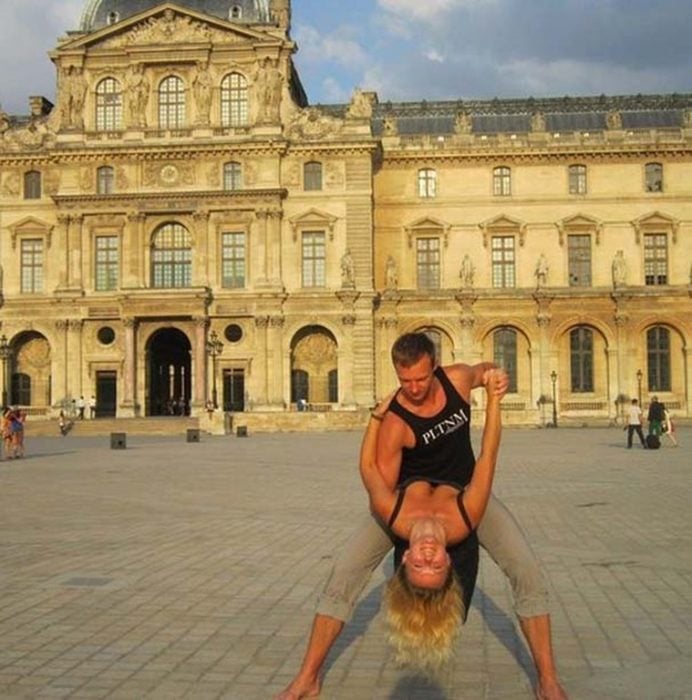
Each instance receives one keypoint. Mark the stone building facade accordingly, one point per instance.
(182, 226)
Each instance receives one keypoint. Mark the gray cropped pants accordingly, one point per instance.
(499, 534)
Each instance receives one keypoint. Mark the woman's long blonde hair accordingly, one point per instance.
(423, 622)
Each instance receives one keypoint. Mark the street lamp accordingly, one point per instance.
(553, 379)
(640, 374)
(5, 354)
(214, 348)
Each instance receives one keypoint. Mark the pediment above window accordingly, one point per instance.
(503, 225)
(656, 222)
(579, 223)
(313, 218)
(30, 226)
(428, 226)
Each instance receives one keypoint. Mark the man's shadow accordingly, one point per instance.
(497, 620)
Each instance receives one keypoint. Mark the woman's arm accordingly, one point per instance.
(382, 496)
(477, 493)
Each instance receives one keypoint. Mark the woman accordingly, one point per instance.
(428, 598)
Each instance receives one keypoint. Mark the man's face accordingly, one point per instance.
(416, 380)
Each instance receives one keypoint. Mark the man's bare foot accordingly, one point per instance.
(550, 689)
(300, 688)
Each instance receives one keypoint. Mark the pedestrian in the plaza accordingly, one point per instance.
(7, 450)
(92, 407)
(669, 428)
(655, 417)
(427, 427)
(81, 405)
(634, 424)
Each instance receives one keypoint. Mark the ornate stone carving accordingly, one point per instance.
(538, 122)
(390, 126)
(391, 274)
(310, 123)
(72, 91)
(348, 320)
(11, 183)
(51, 181)
(347, 270)
(268, 86)
(619, 270)
(467, 272)
(262, 321)
(463, 123)
(541, 271)
(614, 119)
(334, 174)
(168, 28)
(36, 352)
(276, 321)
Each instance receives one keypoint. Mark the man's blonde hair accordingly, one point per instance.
(423, 622)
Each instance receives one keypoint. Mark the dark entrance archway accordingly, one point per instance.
(169, 373)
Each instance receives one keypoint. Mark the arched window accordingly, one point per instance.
(236, 12)
(333, 385)
(109, 105)
(234, 101)
(171, 257)
(232, 176)
(653, 177)
(171, 103)
(312, 176)
(577, 179)
(505, 354)
(113, 17)
(32, 185)
(581, 359)
(502, 182)
(658, 359)
(300, 385)
(427, 183)
(105, 178)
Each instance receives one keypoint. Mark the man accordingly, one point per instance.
(423, 399)
(634, 424)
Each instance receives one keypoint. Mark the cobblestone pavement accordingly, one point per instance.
(190, 570)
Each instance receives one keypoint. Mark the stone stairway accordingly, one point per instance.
(172, 425)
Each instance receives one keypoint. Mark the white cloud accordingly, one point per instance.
(426, 10)
(434, 55)
(317, 47)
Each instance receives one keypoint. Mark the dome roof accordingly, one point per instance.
(100, 13)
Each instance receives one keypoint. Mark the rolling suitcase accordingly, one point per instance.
(653, 442)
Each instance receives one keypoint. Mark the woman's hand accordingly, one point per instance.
(381, 407)
(496, 382)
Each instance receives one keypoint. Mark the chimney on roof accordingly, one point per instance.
(40, 106)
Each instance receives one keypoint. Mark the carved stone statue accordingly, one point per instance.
(619, 270)
(390, 126)
(467, 272)
(614, 119)
(361, 105)
(391, 274)
(4, 122)
(269, 81)
(538, 122)
(463, 123)
(138, 91)
(202, 87)
(541, 271)
(347, 270)
(72, 95)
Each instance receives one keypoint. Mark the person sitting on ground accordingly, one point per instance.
(427, 598)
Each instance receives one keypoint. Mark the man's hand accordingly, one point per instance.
(496, 381)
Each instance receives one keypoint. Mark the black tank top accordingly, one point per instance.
(443, 451)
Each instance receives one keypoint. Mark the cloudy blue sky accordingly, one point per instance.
(425, 49)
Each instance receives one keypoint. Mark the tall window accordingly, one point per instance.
(232, 176)
(32, 266)
(502, 182)
(32, 185)
(577, 179)
(312, 176)
(655, 258)
(658, 358)
(313, 259)
(105, 178)
(171, 103)
(428, 263)
(107, 263)
(427, 183)
(233, 260)
(503, 261)
(109, 105)
(505, 354)
(579, 260)
(171, 257)
(234, 102)
(581, 359)
(653, 177)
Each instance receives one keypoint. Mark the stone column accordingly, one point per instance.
(199, 362)
(134, 267)
(688, 385)
(274, 355)
(261, 398)
(261, 247)
(128, 405)
(621, 331)
(64, 236)
(274, 269)
(467, 299)
(75, 237)
(388, 331)
(201, 273)
(346, 360)
(60, 389)
(74, 357)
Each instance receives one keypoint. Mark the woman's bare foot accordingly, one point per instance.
(550, 690)
(300, 688)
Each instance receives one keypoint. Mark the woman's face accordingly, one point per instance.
(426, 560)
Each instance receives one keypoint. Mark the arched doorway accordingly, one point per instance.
(314, 372)
(169, 373)
(30, 364)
